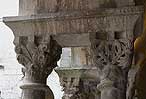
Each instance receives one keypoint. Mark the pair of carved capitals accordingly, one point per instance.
(38, 54)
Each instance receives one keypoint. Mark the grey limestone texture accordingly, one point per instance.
(105, 27)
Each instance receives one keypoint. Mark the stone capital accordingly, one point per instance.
(112, 53)
(38, 55)
(78, 83)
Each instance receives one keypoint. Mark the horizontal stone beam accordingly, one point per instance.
(73, 40)
(72, 28)
(35, 7)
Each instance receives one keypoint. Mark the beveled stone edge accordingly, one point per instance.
(78, 14)
(77, 68)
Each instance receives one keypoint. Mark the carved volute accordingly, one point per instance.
(38, 55)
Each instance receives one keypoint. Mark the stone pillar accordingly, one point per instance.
(78, 83)
(78, 79)
(112, 53)
(38, 55)
(113, 59)
(108, 91)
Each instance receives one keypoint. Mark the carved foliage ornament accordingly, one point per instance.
(87, 89)
(114, 52)
(39, 56)
(112, 57)
(78, 88)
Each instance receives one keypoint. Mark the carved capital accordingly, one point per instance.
(79, 88)
(112, 55)
(39, 55)
(87, 89)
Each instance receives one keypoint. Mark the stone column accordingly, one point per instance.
(112, 51)
(78, 83)
(112, 56)
(78, 78)
(108, 91)
(38, 55)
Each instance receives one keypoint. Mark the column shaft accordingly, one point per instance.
(38, 55)
(33, 94)
(113, 58)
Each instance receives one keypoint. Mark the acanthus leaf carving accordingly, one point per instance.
(38, 57)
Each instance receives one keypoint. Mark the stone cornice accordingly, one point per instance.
(81, 67)
(77, 22)
(77, 72)
(104, 12)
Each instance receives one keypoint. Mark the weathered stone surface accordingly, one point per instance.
(38, 55)
(81, 56)
(113, 59)
(76, 21)
(79, 83)
(77, 24)
(112, 54)
(107, 25)
(108, 91)
(78, 78)
(132, 92)
(34, 7)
